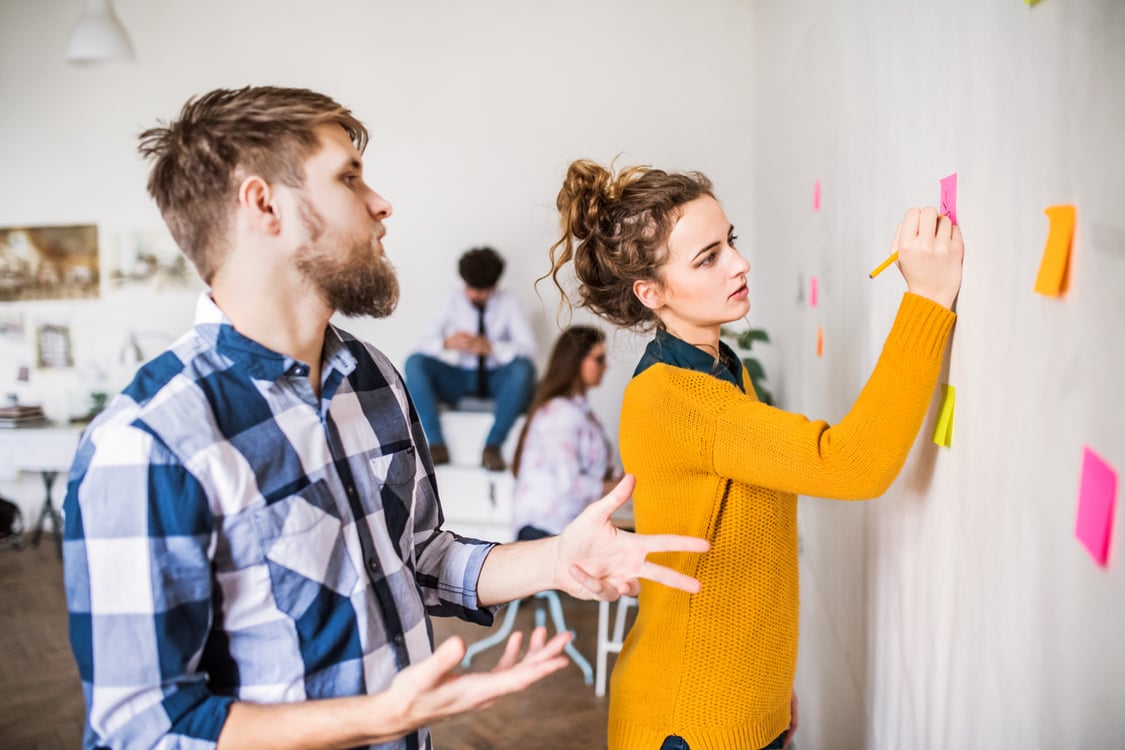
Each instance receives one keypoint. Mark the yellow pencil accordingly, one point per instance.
(883, 266)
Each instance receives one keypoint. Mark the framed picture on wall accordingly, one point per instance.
(48, 262)
(147, 258)
(53, 346)
(11, 327)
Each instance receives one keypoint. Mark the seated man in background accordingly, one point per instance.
(485, 334)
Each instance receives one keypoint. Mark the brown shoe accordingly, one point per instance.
(439, 454)
(492, 460)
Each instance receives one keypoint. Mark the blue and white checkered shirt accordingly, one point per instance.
(230, 536)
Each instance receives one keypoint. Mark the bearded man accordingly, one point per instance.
(253, 539)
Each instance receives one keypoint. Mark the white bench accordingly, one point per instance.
(476, 502)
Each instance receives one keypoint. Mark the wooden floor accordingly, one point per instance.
(40, 696)
(41, 704)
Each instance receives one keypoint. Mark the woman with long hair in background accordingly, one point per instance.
(563, 460)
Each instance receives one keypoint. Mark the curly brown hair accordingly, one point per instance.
(219, 139)
(615, 230)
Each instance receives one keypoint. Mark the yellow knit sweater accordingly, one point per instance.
(716, 668)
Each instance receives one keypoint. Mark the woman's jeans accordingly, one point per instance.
(679, 743)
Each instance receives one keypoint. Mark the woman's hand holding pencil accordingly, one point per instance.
(929, 251)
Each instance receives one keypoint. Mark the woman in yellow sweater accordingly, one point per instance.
(652, 249)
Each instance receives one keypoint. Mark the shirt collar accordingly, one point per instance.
(214, 327)
(667, 349)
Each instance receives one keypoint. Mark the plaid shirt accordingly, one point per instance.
(229, 535)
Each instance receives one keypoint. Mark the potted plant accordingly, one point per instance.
(743, 342)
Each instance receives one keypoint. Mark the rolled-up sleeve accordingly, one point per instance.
(447, 565)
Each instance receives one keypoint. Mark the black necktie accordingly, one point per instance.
(482, 360)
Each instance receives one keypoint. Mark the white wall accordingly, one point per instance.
(475, 111)
(958, 610)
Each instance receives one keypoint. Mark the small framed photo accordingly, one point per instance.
(53, 346)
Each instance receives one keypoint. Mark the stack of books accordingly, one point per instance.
(18, 415)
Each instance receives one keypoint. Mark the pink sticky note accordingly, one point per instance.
(816, 196)
(949, 197)
(812, 292)
(1097, 497)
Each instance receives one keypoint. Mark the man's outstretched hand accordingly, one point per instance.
(433, 689)
(597, 560)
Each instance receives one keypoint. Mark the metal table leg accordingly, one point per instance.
(49, 510)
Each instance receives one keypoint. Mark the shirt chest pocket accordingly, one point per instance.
(393, 476)
(395, 469)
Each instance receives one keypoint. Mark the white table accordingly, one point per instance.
(43, 450)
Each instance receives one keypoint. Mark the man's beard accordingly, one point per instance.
(349, 273)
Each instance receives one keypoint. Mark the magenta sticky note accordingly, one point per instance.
(1097, 497)
(949, 197)
(812, 292)
(816, 196)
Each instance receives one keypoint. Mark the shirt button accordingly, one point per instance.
(399, 640)
(373, 563)
(351, 491)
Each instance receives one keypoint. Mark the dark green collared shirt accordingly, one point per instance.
(670, 350)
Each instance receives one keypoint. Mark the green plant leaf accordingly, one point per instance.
(744, 340)
(747, 338)
(754, 367)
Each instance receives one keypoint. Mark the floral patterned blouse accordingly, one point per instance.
(565, 458)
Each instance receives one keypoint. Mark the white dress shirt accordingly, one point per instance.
(505, 326)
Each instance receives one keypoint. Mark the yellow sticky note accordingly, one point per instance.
(943, 430)
(1053, 268)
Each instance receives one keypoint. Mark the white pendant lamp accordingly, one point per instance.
(99, 36)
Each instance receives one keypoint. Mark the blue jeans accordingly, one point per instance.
(679, 743)
(432, 381)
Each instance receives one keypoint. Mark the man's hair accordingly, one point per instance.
(481, 267)
(221, 138)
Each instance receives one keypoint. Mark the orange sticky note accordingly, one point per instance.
(1053, 268)
(1097, 497)
(943, 430)
(819, 341)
